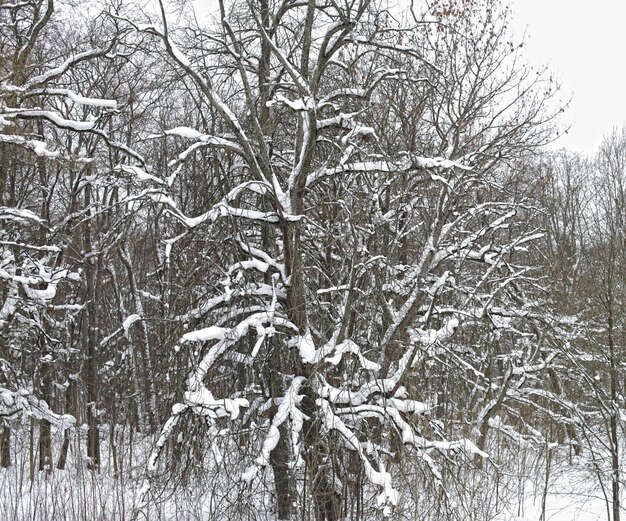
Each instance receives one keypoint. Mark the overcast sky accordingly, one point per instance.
(584, 43)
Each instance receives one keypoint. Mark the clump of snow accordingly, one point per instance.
(184, 132)
(206, 334)
(18, 214)
(306, 347)
(129, 321)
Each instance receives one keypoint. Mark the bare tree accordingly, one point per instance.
(331, 332)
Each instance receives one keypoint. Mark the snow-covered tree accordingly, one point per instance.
(55, 131)
(365, 230)
(587, 242)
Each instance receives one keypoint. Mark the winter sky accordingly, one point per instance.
(583, 43)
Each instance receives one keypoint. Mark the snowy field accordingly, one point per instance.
(113, 494)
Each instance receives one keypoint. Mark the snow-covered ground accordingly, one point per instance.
(569, 503)
(77, 494)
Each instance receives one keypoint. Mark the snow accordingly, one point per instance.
(349, 402)
(348, 346)
(340, 120)
(252, 264)
(265, 258)
(61, 69)
(358, 130)
(23, 401)
(286, 408)
(571, 497)
(139, 173)
(353, 92)
(306, 347)
(129, 321)
(82, 100)
(202, 399)
(57, 119)
(182, 58)
(388, 497)
(206, 334)
(166, 432)
(402, 164)
(50, 291)
(9, 306)
(52, 249)
(299, 105)
(185, 132)
(254, 290)
(18, 214)
(38, 147)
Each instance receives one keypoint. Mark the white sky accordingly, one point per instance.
(584, 44)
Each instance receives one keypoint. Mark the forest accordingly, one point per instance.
(302, 260)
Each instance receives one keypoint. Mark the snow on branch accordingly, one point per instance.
(265, 258)
(65, 66)
(298, 105)
(405, 164)
(177, 411)
(59, 121)
(40, 148)
(76, 98)
(138, 173)
(226, 338)
(348, 346)
(128, 322)
(340, 93)
(19, 215)
(286, 409)
(53, 117)
(224, 209)
(250, 290)
(388, 497)
(202, 140)
(385, 409)
(44, 275)
(13, 403)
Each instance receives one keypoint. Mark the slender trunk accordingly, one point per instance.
(45, 392)
(283, 482)
(64, 450)
(45, 446)
(546, 483)
(113, 448)
(91, 339)
(147, 370)
(66, 433)
(137, 415)
(614, 409)
(31, 451)
(281, 456)
(615, 476)
(326, 499)
(91, 382)
(5, 445)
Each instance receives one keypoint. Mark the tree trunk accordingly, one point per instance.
(66, 433)
(45, 446)
(326, 499)
(90, 332)
(283, 482)
(614, 407)
(5, 446)
(45, 433)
